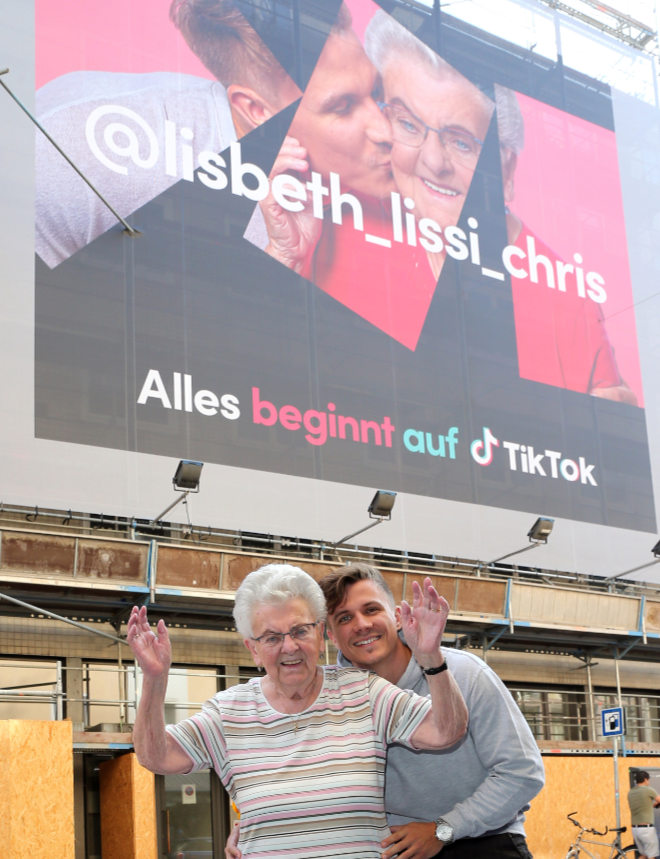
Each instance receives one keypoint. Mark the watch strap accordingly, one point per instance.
(437, 670)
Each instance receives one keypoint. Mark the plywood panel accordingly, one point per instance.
(236, 568)
(37, 790)
(5, 779)
(37, 553)
(446, 586)
(573, 608)
(584, 784)
(395, 582)
(652, 616)
(144, 803)
(190, 569)
(481, 596)
(111, 559)
(128, 809)
(473, 595)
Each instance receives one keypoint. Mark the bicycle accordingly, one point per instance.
(577, 850)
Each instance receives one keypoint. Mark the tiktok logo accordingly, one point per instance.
(481, 450)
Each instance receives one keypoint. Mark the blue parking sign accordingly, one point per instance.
(612, 722)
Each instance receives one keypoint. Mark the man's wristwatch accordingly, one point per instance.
(444, 831)
(437, 670)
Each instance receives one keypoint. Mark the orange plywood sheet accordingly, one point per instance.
(36, 784)
(582, 783)
(128, 809)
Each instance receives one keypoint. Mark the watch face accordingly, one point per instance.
(444, 832)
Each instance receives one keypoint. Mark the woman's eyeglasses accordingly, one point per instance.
(298, 633)
(412, 131)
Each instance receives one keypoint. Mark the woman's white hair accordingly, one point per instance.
(272, 585)
(510, 124)
(384, 38)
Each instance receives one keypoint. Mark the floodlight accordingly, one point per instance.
(381, 504)
(538, 536)
(187, 474)
(655, 551)
(379, 509)
(185, 480)
(540, 530)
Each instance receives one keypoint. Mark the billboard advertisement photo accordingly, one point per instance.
(366, 254)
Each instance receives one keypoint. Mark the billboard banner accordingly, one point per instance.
(365, 255)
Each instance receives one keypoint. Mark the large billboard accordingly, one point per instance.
(367, 257)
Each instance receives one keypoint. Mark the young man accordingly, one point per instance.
(642, 799)
(468, 801)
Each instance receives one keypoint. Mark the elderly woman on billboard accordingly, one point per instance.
(302, 749)
(438, 122)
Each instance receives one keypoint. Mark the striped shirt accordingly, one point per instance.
(310, 784)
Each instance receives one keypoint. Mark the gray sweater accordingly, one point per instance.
(484, 784)
(131, 135)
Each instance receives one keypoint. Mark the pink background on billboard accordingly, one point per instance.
(568, 192)
(117, 36)
(361, 12)
(567, 187)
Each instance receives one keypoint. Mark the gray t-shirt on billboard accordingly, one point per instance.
(132, 135)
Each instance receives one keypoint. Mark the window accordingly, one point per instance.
(30, 689)
(553, 714)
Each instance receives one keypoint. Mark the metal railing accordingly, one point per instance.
(109, 696)
(101, 525)
(42, 690)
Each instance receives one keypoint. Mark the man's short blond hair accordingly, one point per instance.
(228, 45)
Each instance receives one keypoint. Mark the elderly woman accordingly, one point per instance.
(439, 123)
(302, 749)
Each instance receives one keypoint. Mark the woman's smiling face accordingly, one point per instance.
(290, 664)
(437, 174)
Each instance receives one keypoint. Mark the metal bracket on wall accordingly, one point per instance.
(489, 640)
(128, 229)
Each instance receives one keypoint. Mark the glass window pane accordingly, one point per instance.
(105, 694)
(187, 815)
(531, 706)
(187, 690)
(28, 689)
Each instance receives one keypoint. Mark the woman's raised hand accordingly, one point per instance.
(152, 650)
